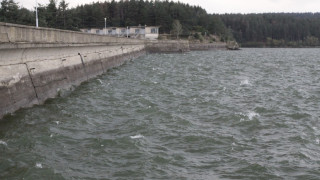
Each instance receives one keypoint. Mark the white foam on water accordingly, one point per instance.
(245, 82)
(317, 141)
(39, 165)
(139, 136)
(57, 122)
(252, 114)
(3, 143)
(51, 135)
(100, 81)
(232, 145)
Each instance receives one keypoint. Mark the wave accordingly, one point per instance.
(100, 81)
(3, 143)
(139, 136)
(245, 82)
(38, 165)
(250, 115)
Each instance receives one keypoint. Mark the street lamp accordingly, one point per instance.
(105, 26)
(127, 31)
(37, 25)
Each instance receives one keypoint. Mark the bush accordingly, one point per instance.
(196, 35)
(201, 38)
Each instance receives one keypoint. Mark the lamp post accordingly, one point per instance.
(127, 31)
(105, 26)
(37, 25)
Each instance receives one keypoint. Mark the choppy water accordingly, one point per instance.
(250, 114)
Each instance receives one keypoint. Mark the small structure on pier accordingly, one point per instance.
(137, 32)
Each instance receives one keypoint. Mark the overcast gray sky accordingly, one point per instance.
(222, 6)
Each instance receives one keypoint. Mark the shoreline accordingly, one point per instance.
(37, 63)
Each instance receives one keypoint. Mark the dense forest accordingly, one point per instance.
(256, 30)
(275, 29)
(57, 14)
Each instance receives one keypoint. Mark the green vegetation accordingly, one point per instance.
(275, 29)
(176, 28)
(10, 12)
(178, 19)
(118, 13)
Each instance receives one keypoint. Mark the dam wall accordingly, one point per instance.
(207, 46)
(174, 46)
(167, 46)
(37, 63)
(14, 33)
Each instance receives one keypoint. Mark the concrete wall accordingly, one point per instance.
(28, 34)
(167, 46)
(36, 63)
(32, 77)
(206, 46)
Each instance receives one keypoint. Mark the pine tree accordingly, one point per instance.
(62, 14)
(51, 13)
(9, 11)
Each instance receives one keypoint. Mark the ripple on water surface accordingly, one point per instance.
(250, 114)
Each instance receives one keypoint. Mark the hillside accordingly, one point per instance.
(250, 30)
(275, 29)
(118, 13)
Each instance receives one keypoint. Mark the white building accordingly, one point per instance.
(139, 32)
(151, 32)
(93, 30)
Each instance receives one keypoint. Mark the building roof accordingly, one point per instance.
(122, 27)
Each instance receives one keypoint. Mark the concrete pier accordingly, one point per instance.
(36, 63)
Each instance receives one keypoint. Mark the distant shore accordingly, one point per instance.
(284, 45)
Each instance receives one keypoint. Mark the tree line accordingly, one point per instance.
(274, 29)
(57, 14)
(257, 30)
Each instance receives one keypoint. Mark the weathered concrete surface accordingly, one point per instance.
(167, 46)
(173, 46)
(33, 80)
(206, 46)
(36, 63)
(16, 88)
(28, 34)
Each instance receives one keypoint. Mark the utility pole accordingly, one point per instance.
(105, 25)
(127, 31)
(37, 24)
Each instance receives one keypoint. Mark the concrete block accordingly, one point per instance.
(31, 75)
(48, 78)
(74, 70)
(16, 89)
(4, 37)
(11, 56)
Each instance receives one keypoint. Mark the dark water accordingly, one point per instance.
(250, 114)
